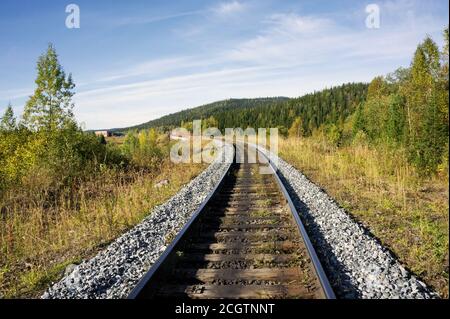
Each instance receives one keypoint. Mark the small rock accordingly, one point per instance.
(162, 183)
(69, 269)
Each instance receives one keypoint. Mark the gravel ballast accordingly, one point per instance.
(357, 265)
(114, 272)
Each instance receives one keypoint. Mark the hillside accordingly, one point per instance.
(329, 106)
(204, 111)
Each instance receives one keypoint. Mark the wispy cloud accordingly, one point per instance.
(222, 9)
(279, 52)
(137, 20)
(16, 93)
(292, 54)
(228, 8)
(154, 67)
(292, 23)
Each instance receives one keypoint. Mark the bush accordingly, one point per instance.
(334, 135)
(360, 138)
(144, 149)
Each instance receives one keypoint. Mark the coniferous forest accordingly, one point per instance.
(408, 107)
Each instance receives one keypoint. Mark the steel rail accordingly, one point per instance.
(148, 276)
(328, 291)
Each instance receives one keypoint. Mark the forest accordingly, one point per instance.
(406, 108)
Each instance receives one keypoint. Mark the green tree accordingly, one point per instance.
(334, 134)
(395, 123)
(296, 129)
(50, 107)
(8, 121)
(283, 131)
(209, 122)
(102, 139)
(431, 145)
(131, 143)
(359, 121)
(426, 106)
(377, 88)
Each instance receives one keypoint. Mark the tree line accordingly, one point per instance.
(407, 109)
(46, 148)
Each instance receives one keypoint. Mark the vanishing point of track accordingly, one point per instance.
(245, 241)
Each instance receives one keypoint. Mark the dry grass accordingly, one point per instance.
(117, 140)
(378, 187)
(39, 237)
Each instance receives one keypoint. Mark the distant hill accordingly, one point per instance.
(329, 106)
(204, 111)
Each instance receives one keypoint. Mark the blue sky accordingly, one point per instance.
(134, 61)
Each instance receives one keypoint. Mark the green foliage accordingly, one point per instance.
(283, 131)
(51, 105)
(426, 102)
(48, 151)
(360, 138)
(359, 120)
(209, 122)
(102, 139)
(427, 148)
(334, 134)
(410, 108)
(377, 88)
(8, 121)
(144, 148)
(329, 106)
(296, 129)
(395, 122)
(187, 125)
(222, 110)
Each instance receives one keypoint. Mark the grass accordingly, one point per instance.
(39, 238)
(380, 189)
(261, 213)
(117, 140)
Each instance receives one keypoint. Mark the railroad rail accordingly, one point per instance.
(246, 241)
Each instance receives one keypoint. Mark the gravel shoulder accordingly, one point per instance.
(115, 271)
(357, 265)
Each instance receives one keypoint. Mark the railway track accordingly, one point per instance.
(245, 241)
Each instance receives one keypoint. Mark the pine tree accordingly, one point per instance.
(426, 101)
(8, 121)
(435, 136)
(395, 120)
(359, 121)
(50, 107)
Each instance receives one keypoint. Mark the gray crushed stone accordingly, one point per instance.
(357, 265)
(115, 271)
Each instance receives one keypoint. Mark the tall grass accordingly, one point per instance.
(40, 233)
(377, 186)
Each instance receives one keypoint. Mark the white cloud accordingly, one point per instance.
(296, 24)
(126, 21)
(227, 8)
(291, 54)
(291, 39)
(153, 67)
